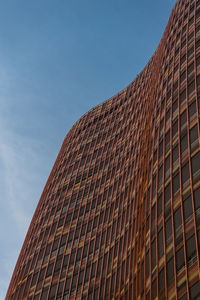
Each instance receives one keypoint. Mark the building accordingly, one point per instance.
(119, 217)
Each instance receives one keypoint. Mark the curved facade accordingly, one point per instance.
(119, 217)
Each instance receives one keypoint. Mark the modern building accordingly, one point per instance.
(119, 217)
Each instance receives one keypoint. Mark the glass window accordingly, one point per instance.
(177, 220)
(191, 88)
(195, 291)
(167, 141)
(160, 244)
(183, 120)
(170, 271)
(168, 116)
(176, 184)
(161, 149)
(191, 250)
(175, 128)
(182, 77)
(183, 97)
(175, 155)
(184, 145)
(160, 177)
(192, 111)
(154, 289)
(195, 166)
(153, 254)
(194, 138)
(187, 209)
(185, 171)
(168, 231)
(167, 167)
(180, 260)
(162, 280)
(197, 199)
(160, 208)
(147, 264)
(175, 107)
(167, 194)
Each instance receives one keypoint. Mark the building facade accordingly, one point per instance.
(119, 217)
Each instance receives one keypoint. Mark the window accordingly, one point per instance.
(192, 111)
(168, 116)
(52, 292)
(183, 97)
(160, 244)
(184, 145)
(167, 141)
(182, 77)
(167, 167)
(153, 254)
(183, 120)
(161, 280)
(185, 172)
(197, 199)
(170, 271)
(190, 71)
(191, 250)
(167, 194)
(160, 177)
(147, 264)
(161, 149)
(175, 107)
(180, 260)
(160, 208)
(168, 231)
(177, 220)
(194, 138)
(175, 155)
(191, 88)
(187, 209)
(154, 289)
(195, 291)
(175, 128)
(195, 167)
(176, 184)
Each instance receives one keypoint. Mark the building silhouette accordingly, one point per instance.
(119, 217)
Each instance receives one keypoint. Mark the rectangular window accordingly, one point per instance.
(195, 167)
(194, 142)
(197, 199)
(160, 205)
(176, 184)
(180, 260)
(192, 111)
(191, 250)
(167, 167)
(184, 145)
(191, 88)
(168, 231)
(187, 209)
(175, 128)
(153, 254)
(185, 172)
(183, 97)
(167, 194)
(160, 244)
(175, 156)
(170, 271)
(195, 291)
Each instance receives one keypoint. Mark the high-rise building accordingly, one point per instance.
(119, 217)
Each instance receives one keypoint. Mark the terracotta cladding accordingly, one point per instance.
(119, 217)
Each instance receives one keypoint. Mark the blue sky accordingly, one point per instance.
(57, 60)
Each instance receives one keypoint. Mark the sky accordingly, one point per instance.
(58, 59)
